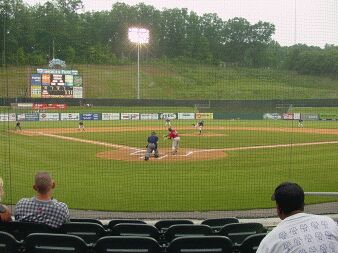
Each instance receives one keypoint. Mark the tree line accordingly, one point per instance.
(30, 33)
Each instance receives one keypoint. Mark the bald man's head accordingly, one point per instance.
(43, 182)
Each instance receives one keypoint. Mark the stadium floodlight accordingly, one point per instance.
(138, 36)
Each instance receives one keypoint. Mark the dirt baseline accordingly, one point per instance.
(127, 153)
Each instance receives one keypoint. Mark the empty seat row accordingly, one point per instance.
(91, 232)
(60, 243)
(162, 225)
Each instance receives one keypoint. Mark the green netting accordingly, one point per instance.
(269, 106)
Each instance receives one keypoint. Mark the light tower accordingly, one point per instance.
(139, 36)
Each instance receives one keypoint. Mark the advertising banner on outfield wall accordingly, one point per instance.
(130, 116)
(70, 116)
(90, 116)
(28, 117)
(168, 115)
(186, 115)
(7, 117)
(53, 116)
(206, 115)
(328, 116)
(274, 116)
(287, 116)
(148, 116)
(110, 116)
(308, 116)
(296, 115)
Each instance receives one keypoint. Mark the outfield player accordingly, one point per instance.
(199, 125)
(152, 146)
(81, 126)
(173, 135)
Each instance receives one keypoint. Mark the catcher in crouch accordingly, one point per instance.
(151, 146)
(173, 135)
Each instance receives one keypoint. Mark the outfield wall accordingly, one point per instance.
(73, 116)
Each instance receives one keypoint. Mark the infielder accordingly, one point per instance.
(167, 121)
(151, 146)
(199, 125)
(81, 126)
(175, 140)
(300, 123)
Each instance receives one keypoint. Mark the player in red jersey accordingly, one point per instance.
(173, 135)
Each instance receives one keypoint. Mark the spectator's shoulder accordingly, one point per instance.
(23, 200)
(61, 204)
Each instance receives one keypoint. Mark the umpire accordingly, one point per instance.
(151, 146)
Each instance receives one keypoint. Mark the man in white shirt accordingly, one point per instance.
(298, 232)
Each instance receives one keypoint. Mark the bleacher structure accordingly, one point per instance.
(91, 236)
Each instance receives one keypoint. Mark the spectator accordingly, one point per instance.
(298, 232)
(5, 214)
(42, 208)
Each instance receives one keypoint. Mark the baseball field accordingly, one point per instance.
(232, 165)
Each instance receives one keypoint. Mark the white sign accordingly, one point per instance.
(49, 116)
(296, 115)
(7, 117)
(168, 115)
(21, 116)
(70, 116)
(130, 116)
(77, 92)
(186, 115)
(110, 116)
(149, 116)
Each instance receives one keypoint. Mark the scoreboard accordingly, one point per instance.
(56, 83)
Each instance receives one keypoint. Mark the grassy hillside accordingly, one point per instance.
(169, 81)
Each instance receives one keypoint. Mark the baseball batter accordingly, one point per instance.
(152, 146)
(173, 135)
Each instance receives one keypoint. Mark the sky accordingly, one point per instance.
(297, 21)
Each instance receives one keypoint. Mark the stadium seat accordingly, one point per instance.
(237, 232)
(198, 244)
(181, 230)
(20, 230)
(8, 243)
(217, 224)
(54, 243)
(114, 222)
(127, 244)
(142, 230)
(251, 243)
(163, 225)
(86, 220)
(89, 232)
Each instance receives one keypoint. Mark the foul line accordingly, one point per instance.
(89, 141)
(269, 146)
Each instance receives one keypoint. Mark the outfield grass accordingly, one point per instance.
(161, 80)
(242, 180)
